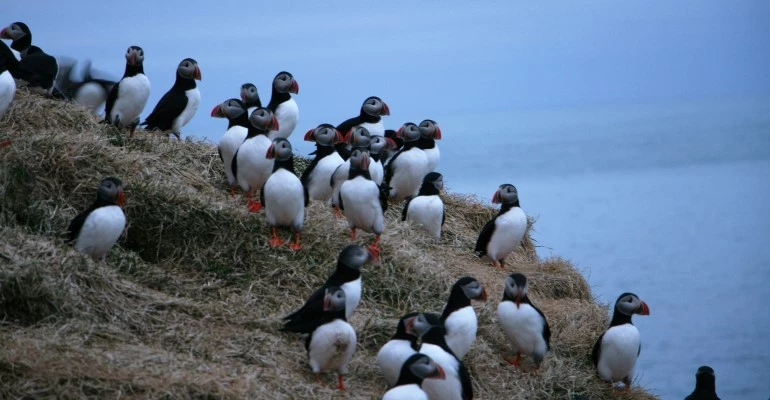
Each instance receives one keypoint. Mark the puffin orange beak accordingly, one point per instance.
(645, 309)
(346, 136)
(483, 296)
(366, 161)
(5, 33)
(518, 299)
(496, 197)
(327, 302)
(270, 152)
(197, 75)
(438, 133)
(295, 87)
(385, 109)
(340, 138)
(121, 198)
(217, 112)
(439, 374)
(132, 60)
(410, 326)
(309, 136)
(399, 133)
(391, 143)
(275, 123)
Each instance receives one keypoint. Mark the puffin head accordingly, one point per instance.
(284, 82)
(374, 106)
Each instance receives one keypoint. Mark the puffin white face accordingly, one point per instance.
(284, 83)
(436, 179)
(516, 287)
(230, 109)
(359, 160)
(505, 194)
(629, 304)
(377, 144)
(134, 55)
(375, 106)
(280, 150)
(324, 135)
(15, 31)
(355, 256)
(429, 129)
(359, 137)
(263, 119)
(189, 69)
(424, 367)
(111, 189)
(409, 132)
(474, 291)
(418, 325)
(334, 299)
(249, 94)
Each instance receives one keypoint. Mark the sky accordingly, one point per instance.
(427, 59)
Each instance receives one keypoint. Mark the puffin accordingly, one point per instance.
(97, 229)
(36, 70)
(616, 350)
(316, 177)
(358, 138)
(283, 105)
(332, 342)
(415, 370)
(429, 133)
(503, 234)
(427, 209)
(523, 323)
(80, 82)
(379, 146)
(457, 383)
(127, 99)
(407, 168)
(362, 201)
(347, 275)
(370, 117)
(250, 97)
(398, 144)
(7, 87)
(237, 129)
(396, 351)
(250, 166)
(283, 195)
(177, 107)
(459, 318)
(705, 385)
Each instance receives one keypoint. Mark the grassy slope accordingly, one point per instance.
(188, 305)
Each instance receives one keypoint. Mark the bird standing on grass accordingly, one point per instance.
(405, 171)
(36, 70)
(414, 371)
(250, 165)
(127, 99)
(429, 133)
(332, 342)
(97, 229)
(283, 196)
(317, 175)
(459, 317)
(504, 233)
(427, 209)
(523, 323)
(237, 129)
(358, 138)
(705, 385)
(396, 351)
(177, 107)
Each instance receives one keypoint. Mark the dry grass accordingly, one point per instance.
(188, 305)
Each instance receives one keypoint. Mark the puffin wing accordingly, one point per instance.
(546, 328)
(597, 350)
(169, 107)
(41, 67)
(465, 380)
(484, 237)
(112, 96)
(306, 318)
(73, 230)
(347, 125)
(406, 208)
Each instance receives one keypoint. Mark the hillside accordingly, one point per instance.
(188, 305)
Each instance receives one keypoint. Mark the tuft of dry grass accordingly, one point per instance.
(189, 303)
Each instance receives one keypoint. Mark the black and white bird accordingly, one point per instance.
(362, 201)
(177, 107)
(237, 129)
(396, 351)
(36, 70)
(398, 144)
(332, 342)
(429, 133)
(457, 383)
(318, 173)
(504, 233)
(427, 209)
(250, 97)
(80, 82)
(283, 195)
(7, 87)
(459, 317)
(250, 164)
(359, 138)
(523, 323)
(616, 350)
(97, 229)
(370, 117)
(346, 275)
(127, 99)
(705, 385)
(415, 370)
(283, 105)
(407, 168)
(379, 146)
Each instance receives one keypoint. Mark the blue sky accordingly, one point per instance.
(425, 59)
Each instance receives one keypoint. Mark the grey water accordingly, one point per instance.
(669, 201)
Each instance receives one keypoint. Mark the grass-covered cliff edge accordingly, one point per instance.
(188, 304)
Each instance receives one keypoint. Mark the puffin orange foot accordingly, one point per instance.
(340, 383)
(255, 206)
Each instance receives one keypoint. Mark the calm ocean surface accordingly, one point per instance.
(670, 202)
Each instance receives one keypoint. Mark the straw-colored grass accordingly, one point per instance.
(188, 305)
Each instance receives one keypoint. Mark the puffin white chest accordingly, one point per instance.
(133, 93)
(284, 200)
(287, 114)
(91, 95)
(374, 128)
(411, 391)
(361, 204)
(451, 387)
(427, 211)
(523, 326)
(100, 231)
(352, 291)
(7, 91)
(319, 187)
(193, 101)
(253, 167)
(391, 358)
(509, 231)
(461, 326)
(376, 171)
(434, 156)
(332, 346)
(409, 168)
(228, 145)
(619, 350)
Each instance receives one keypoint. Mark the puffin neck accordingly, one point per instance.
(277, 98)
(457, 300)
(241, 120)
(183, 83)
(506, 207)
(345, 273)
(254, 132)
(133, 70)
(619, 318)
(355, 172)
(22, 43)
(426, 143)
(706, 384)
(372, 119)
(406, 377)
(428, 189)
(323, 150)
(410, 145)
(435, 336)
(287, 164)
(524, 299)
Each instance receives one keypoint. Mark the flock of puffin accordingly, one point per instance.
(359, 167)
